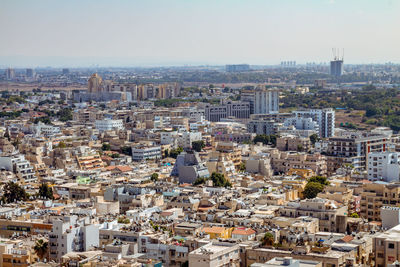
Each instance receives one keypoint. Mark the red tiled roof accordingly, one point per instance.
(243, 231)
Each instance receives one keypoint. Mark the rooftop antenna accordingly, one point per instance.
(343, 54)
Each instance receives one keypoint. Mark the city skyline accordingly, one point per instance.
(156, 33)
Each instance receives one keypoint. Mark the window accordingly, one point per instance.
(391, 245)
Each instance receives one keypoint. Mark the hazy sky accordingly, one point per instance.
(177, 32)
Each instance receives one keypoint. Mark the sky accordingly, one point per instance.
(75, 33)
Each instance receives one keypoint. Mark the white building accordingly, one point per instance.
(20, 166)
(144, 153)
(42, 129)
(384, 166)
(186, 139)
(169, 138)
(215, 254)
(108, 125)
(266, 101)
(301, 123)
(325, 118)
(71, 233)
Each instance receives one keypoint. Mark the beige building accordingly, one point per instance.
(332, 218)
(293, 143)
(283, 162)
(95, 83)
(376, 195)
(386, 247)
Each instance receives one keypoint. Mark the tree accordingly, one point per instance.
(354, 215)
(62, 144)
(219, 180)
(41, 248)
(127, 150)
(65, 114)
(106, 147)
(200, 180)
(263, 138)
(13, 192)
(319, 179)
(45, 191)
(242, 167)
(300, 147)
(175, 152)
(154, 177)
(312, 189)
(198, 145)
(314, 138)
(115, 155)
(268, 239)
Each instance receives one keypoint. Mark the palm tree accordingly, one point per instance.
(41, 248)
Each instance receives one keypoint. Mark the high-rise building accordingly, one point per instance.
(65, 71)
(95, 83)
(337, 67)
(266, 101)
(10, 74)
(30, 73)
(325, 118)
(248, 96)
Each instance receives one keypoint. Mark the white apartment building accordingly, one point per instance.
(186, 138)
(384, 166)
(145, 153)
(169, 138)
(325, 118)
(20, 166)
(215, 254)
(301, 123)
(42, 129)
(71, 233)
(266, 101)
(108, 125)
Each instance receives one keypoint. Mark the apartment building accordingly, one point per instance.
(293, 143)
(146, 153)
(376, 195)
(215, 254)
(71, 233)
(266, 101)
(20, 166)
(384, 166)
(325, 118)
(353, 148)
(237, 109)
(283, 162)
(108, 125)
(332, 218)
(386, 247)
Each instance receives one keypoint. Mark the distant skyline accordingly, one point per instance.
(84, 33)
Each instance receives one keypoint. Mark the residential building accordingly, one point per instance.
(140, 153)
(376, 195)
(353, 148)
(215, 254)
(108, 125)
(188, 167)
(325, 118)
(384, 166)
(386, 247)
(288, 262)
(332, 218)
(390, 217)
(20, 166)
(71, 233)
(266, 101)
